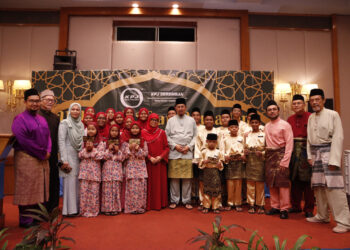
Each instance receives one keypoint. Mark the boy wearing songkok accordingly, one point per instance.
(250, 112)
(211, 162)
(233, 150)
(255, 151)
(236, 115)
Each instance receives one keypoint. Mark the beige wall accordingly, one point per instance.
(343, 25)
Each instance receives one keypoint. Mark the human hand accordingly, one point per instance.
(311, 162)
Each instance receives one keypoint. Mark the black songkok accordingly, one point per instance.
(237, 106)
(251, 110)
(225, 111)
(208, 113)
(30, 92)
(233, 123)
(195, 109)
(317, 92)
(298, 97)
(212, 137)
(270, 103)
(255, 117)
(180, 101)
(171, 108)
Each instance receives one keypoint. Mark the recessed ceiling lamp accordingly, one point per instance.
(135, 9)
(175, 10)
(175, 6)
(135, 5)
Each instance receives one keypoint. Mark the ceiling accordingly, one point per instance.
(269, 6)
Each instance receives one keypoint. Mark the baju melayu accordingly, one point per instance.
(279, 143)
(53, 122)
(255, 168)
(32, 170)
(233, 146)
(324, 147)
(300, 171)
(199, 147)
(249, 129)
(180, 130)
(211, 178)
(195, 192)
(243, 126)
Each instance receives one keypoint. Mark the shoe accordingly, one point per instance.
(284, 215)
(294, 210)
(273, 211)
(309, 214)
(314, 219)
(340, 229)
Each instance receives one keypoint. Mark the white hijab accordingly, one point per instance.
(75, 129)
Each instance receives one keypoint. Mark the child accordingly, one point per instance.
(110, 112)
(210, 162)
(90, 110)
(129, 111)
(135, 172)
(119, 119)
(233, 150)
(171, 112)
(254, 151)
(112, 174)
(143, 117)
(90, 173)
(88, 117)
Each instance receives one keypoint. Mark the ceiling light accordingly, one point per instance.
(175, 6)
(135, 5)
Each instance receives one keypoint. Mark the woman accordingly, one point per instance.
(129, 111)
(103, 128)
(158, 151)
(143, 117)
(70, 141)
(110, 112)
(125, 133)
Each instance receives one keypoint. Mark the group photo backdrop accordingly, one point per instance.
(157, 90)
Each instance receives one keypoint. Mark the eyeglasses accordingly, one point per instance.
(49, 100)
(33, 101)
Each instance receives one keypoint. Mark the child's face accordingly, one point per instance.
(129, 112)
(211, 144)
(233, 129)
(90, 111)
(225, 118)
(171, 113)
(89, 145)
(197, 117)
(119, 119)
(101, 120)
(128, 123)
(114, 132)
(110, 115)
(91, 131)
(135, 130)
(87, 119)
(255, 125)
(209, 122)
(236, 113)
(143, 115)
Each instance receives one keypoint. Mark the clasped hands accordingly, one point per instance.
(182, 149)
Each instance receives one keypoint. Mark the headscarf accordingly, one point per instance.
(97, 138)
(143, 124)
(122, 114)
(150, 134)
(109, 121)
(103, 132)
(88, 114)
(125, 136)
(138, 136)
(89, 108)
(126, 109)
(75, 128)
(109, 134)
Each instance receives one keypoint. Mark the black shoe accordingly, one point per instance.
(294, 210)
(309, 214)
(284, 215)
(273, 211)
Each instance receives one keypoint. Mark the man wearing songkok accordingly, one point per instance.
(324, 151)
(255, 169)
(223, 129)
(210, 160)
(250, 112)
(32, 151)
(300, 170)
(47, 103)
(181, 131)
(279, 147)
(171, 112)
(201, 145)
(196, 115)
(236, 115)
(232, 147)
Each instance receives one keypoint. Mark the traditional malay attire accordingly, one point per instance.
(279, 143)
(53, 122)
(32, 171)
(126, 110)
(248, 127)
(233, 146)
(324, 147)
(181, 130)
(211, 176)
(300, 170)
(121, 124)
(157, 191)
(102, 131)
(142, 123)
(242, 124)
(255, 167)
(70, 142)
(110, 122)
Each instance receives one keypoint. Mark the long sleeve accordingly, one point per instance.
(62, 134)
(337, 142)
(193, 141)
(171, 143)
(308, 147)
(142, 152)
(100, 151)
(288, 135)
(49, 145)
(165, 153)
(197, 148)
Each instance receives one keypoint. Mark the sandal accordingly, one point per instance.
(113, 213)
(261, 210)
(188, 206)
(200, 208)
(251, 210)
(205, 210)
(216, 211)
(172, 206)
(228, 208)
(239, 209)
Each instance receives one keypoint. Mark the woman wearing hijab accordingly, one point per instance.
(103, 128)
(110, 112)
(90, 110)
(157, 159)
(129, 111)
(119, 119)
(143, 117)
(125, 133)
(70, 142)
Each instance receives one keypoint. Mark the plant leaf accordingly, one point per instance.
(39, 212)
(235, 240)
(215, 228)
(202, 232)
(251, 239)
(198, 238)
(5, 245)
(300, 241)
(218, 220)
(277, 242)
(67, 238)
(33, 216)
(233, 226)
(283, 246)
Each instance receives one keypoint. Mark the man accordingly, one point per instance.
(171, 112)
(324, 151)
(300, 171)
(279, 147)
(236, 115)
(181, 131)
(32, 151)
(47, 103)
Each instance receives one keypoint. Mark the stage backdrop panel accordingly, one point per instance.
(157, 90)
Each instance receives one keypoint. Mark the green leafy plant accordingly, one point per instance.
(3, 235)
(298, 244)
(45, 235)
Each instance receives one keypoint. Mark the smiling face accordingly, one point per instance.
(75, 112)
(47, 102)
(129, 112)
(88, 118)
(273, 112)
(110, 114)
(197, 117)
(255, 125)
(236, 114)
(209, 122)
(119, 119)
(101, 120)
(91, 130)
(233, 130)
(298, 106)
(135, 130)
(143, 116)
(171, 113)
(317, 103)
(128, 123)
(32, 103)
(154, 122)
